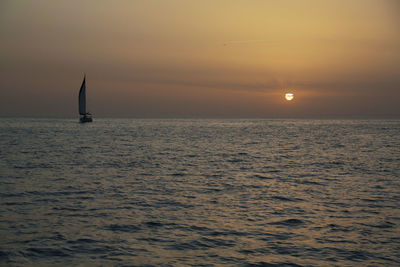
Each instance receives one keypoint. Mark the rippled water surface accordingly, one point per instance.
(130, 192)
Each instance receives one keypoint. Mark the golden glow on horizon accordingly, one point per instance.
(289, 96)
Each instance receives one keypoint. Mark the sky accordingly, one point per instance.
(206, 59)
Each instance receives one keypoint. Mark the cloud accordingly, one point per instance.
(244, 42)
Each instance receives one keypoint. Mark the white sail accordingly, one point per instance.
(82, 98)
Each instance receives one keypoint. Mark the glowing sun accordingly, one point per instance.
(289, 96)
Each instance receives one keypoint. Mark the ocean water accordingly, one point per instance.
(181, 192)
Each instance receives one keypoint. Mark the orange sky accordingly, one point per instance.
(209, 58)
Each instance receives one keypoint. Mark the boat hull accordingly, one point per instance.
(85, 119)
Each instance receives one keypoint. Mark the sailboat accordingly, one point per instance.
(84, 116)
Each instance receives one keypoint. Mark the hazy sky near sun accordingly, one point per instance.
(208, 58)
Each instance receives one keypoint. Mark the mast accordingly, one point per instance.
(82, 97)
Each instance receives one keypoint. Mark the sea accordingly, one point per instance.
(199, 192)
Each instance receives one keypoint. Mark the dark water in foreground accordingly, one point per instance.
(199, 192)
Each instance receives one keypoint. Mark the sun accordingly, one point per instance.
(289, 96)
